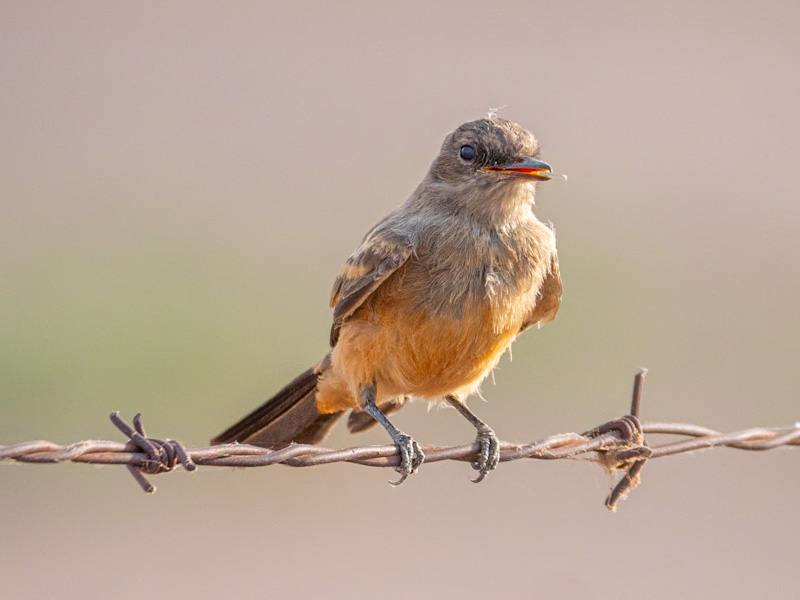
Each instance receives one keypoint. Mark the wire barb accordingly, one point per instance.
(617, 446)
(162, 455)
(630, 459)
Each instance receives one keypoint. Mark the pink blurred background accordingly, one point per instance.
(180, 183)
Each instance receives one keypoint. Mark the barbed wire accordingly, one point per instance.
(617, 446)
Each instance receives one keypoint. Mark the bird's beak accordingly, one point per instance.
(530, 166)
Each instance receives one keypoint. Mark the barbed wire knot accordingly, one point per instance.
(162, 455)
(632, 451)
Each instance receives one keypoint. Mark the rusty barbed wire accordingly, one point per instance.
(618, 445)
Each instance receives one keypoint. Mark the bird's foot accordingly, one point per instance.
(411, 457)
(490, 453)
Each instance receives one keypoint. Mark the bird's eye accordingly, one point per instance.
(467, 153)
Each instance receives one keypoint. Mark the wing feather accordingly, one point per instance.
(381, 253)
(548, 300)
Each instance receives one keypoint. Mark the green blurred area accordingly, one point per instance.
(192, 330)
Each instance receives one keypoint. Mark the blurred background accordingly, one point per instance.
(181, 182)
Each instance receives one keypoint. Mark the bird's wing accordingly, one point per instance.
(381, 253)
(548, 300)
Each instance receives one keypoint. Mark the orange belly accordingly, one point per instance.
(414, 353)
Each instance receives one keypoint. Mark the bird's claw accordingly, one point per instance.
(490, 453)
(411, 457)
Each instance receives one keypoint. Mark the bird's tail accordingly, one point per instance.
(289, 416)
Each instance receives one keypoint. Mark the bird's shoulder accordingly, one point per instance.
(384, 249)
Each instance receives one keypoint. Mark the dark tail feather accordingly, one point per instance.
(289, 416)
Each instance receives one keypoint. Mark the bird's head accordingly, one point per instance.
(490, 151)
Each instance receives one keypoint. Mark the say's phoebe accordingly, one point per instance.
(428, 303)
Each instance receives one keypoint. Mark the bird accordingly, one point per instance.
(431, 299)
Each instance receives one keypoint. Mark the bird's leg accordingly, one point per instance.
(490, 445)
(411, 457)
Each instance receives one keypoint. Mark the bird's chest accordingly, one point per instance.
(490, 282)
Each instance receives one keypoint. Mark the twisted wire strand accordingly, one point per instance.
(619, 445)
(560, 446)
